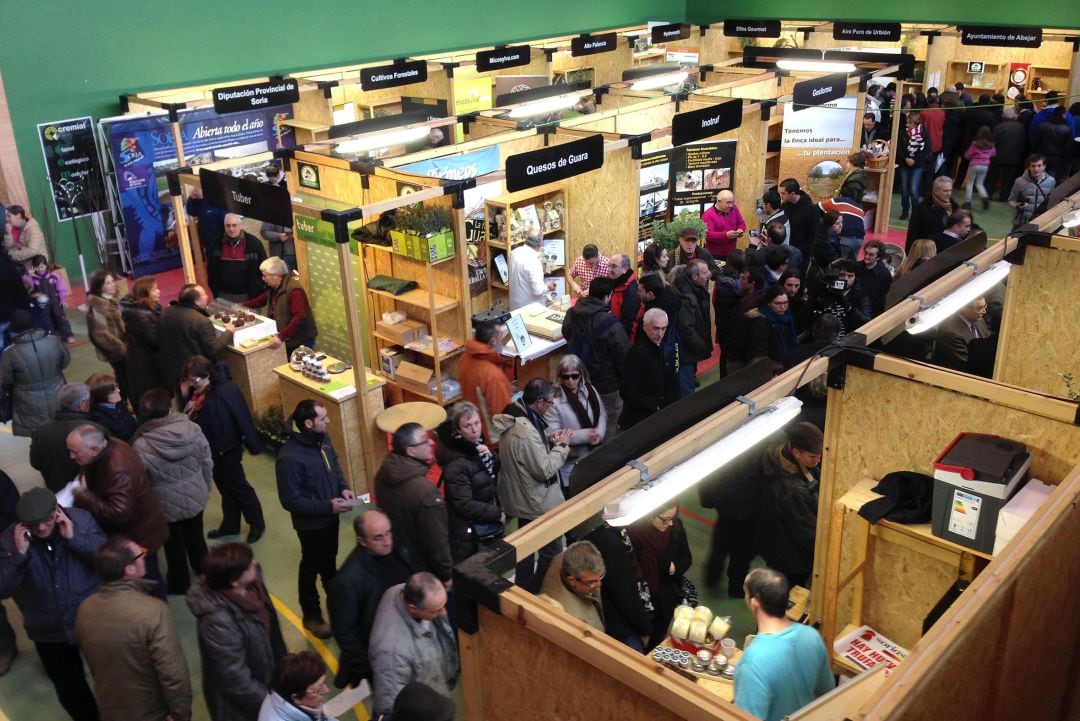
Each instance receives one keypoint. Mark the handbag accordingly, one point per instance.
(487, 531)
(7, 402)
(688, 594)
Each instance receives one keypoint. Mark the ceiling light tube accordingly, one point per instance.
(637, 502)
(952, 303)
(655, 82)
(1071, 219)
(382, 140)
(545, 106)
(822, 66)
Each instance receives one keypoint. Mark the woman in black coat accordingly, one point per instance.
(663, 558)
(211, 399)
(469, 471)
(141, 312)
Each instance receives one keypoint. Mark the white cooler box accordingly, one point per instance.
(1019, 511)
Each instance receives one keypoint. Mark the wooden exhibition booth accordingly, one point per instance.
(884, 414)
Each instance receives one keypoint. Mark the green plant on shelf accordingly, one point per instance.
(666, 235)
(422, 220)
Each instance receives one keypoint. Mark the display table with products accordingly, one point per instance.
(540, 357)
(339, 397)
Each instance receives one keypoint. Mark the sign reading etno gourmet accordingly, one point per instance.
(260, 95)
(391, 76)
(548, 165)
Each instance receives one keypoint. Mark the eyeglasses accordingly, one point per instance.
(591, 583)
(666, 520)
(141, 555)
(569, 376)
(197, 379)
(424, 442)
(549, 401)
(780, 302)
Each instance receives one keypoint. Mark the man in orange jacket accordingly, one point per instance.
(483, 381)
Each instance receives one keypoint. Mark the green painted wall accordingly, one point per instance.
(66, 58)
(1064, 14)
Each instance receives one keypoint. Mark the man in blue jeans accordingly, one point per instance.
(694, 322)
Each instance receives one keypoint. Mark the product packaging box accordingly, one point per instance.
(389, 359)
(403, 332)
(430, 249)
(974, 477)
(1018, 511)
(415, 378)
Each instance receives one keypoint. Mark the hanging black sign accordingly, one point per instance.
(250, 198)
(667, 33)
(883, 32)
(819, 91)
(260, 95)
(487, 60)
(73, 165)
(752, 28)
(705, 123)
(559, 162)
(391, 76)
(592, 44)
(1001, 37)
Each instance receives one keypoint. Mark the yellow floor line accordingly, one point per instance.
(316, 643)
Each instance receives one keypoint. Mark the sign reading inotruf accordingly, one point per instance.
(488, 60)
(818, 91)
(260, 95)
(752, 28)
(1001, 37)
(882, 32)
(250, 198)
(559, 162)
(669, 33)
(592, 44)
(391, 76)
(705, 123)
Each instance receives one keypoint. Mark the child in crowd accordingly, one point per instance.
(979, 154)
(47, 295)
(108, 409)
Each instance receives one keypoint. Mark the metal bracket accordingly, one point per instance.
(635, 142)
(326, 87)
(640, 468)
(750, 403)
(702, 29)
(449, 68)
(457, 190)
(972, 266)
(340, 219)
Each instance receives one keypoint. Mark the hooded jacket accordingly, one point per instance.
(788, 520)
(1026, 189)
(417, 513)
(141, 325)
(105, 326)
(481, 372)
(178, 463)
(625, 300)
(470, 490)
(609, 344)
(238, 652)
(308, 477)
(34, 365)
(528, 484)
(276, 708)
(694, 320)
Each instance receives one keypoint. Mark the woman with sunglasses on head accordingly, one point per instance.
(577, 407)
(662, 553)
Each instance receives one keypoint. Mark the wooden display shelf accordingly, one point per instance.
(839, 661)
(390, 249)
(916, 536)
(429, 353)
(421, 299)
(419, 394)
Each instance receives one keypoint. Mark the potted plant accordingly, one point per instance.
(271, 428)
(423, 232)
(666, 235)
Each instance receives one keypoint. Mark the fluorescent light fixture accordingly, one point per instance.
(544, 106)
(1071, 219)
(382, 140)
(952, 303)
(822, 66)
(655, 82)
(638, 501)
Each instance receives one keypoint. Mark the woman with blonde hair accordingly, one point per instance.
(921, 251)
(577, 406)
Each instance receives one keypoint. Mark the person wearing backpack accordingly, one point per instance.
(597, 337)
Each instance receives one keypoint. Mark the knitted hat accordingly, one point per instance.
(22, 320)
(419, 702)
(806, 437)
(35, 506)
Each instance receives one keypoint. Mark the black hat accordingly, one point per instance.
(806, 437)
(419, 702)
(22, 320)
(35, 506)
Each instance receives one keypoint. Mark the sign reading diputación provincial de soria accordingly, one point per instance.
(260, 95)
(559, 162)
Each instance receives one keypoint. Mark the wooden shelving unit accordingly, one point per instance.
(511, 216)
(774, 134)
(1052, 78)
(992, 80)
(437, 303)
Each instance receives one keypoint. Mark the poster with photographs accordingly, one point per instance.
(654, 180)
(699, 172)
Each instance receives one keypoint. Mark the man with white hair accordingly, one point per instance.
(725, 225)
(527, 273)
(287, 303)
(650, 377)
(232, 262)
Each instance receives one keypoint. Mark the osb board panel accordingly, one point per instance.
(380, 189)
(436, 86)
(339, 184)
(611, 224)
(607, 67)
(517, 663)
(714, 47)
(901, 588)
(520, 145)
(313, 107)
(645, 120)
(1042, 337)
(764, 89)
(483, 130)
(538, 65)
(947, 49)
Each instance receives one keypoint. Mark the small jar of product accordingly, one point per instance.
(714, 669)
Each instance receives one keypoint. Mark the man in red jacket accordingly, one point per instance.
(483, 382)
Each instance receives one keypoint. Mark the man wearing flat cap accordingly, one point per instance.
(788, 521)
(47, 565)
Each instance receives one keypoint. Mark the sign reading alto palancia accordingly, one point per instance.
(488, 60)
(391, 76)
(592, 44)
(259, 95)
(559, 162)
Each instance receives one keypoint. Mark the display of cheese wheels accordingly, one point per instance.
(680, 628)
(698, 631)
(720, 627)
(704, 614)
(684, 611)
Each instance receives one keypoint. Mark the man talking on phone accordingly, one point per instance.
(47, 565)
(725, 225)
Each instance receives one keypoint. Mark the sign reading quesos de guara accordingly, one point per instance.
(592, 44)
(705, 123)
(559, 162)
(487, 60)
(818, 91)
(391, 76)
(260, 95)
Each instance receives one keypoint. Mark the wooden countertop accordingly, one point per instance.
(335, 393)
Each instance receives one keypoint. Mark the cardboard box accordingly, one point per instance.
(430, 249)
(415, 378)
(1018, 511)
(974, 477)
(403, 332)
(389, 359)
